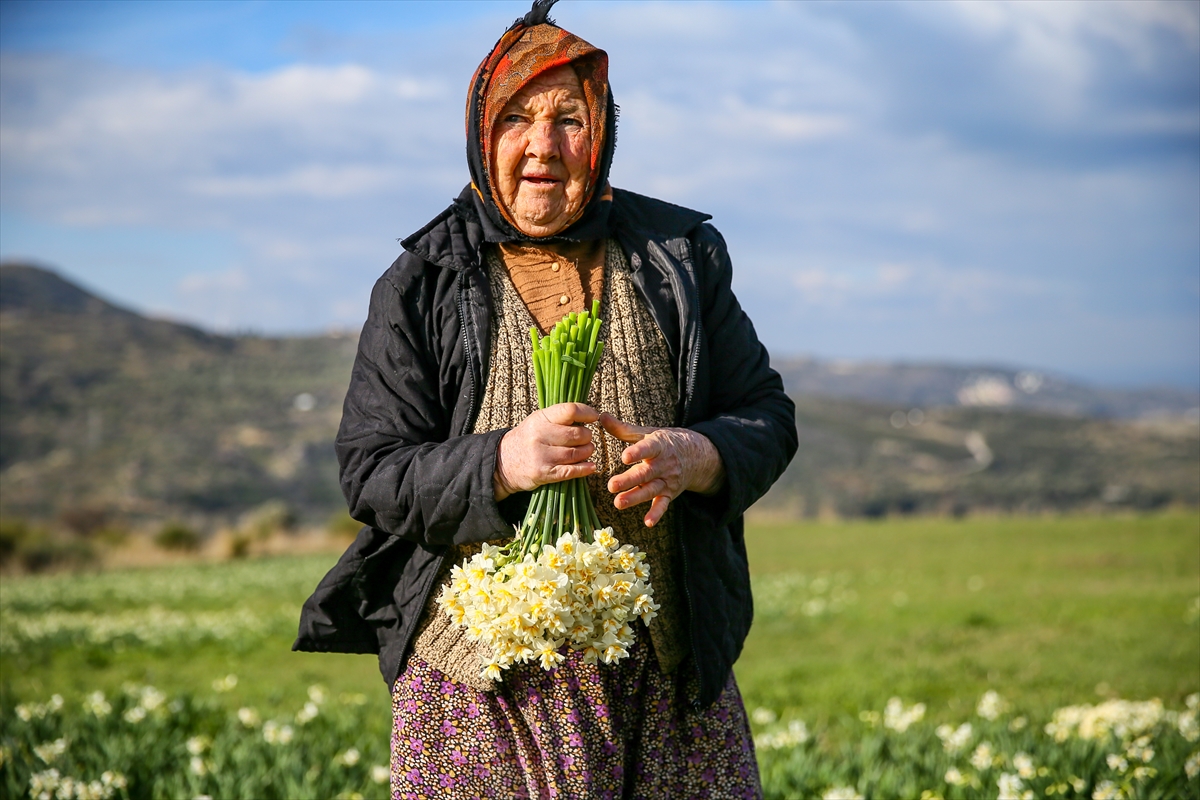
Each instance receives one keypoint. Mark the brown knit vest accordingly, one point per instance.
(634, 383)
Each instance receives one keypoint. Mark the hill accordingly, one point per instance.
(863, 459)
(924, 385)
(103, 408)
(107, 413)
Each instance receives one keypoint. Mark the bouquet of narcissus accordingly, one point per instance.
(562, 580)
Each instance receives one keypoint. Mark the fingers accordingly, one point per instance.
(566, 472)
(641, 494)
(564, 435)
(570, 455)
(570, 414)
(623, 430)
(648, 448)
(658, 507)
(635, 476)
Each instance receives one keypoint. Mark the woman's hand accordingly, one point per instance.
(551, 445)
(672, 461)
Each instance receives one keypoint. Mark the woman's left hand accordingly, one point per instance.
(668, 462)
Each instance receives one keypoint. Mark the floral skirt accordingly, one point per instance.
(579, 731)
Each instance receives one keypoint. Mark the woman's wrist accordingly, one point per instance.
(500, 486)
(704, 460)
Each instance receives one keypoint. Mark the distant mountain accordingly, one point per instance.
(864, 459)
(105, 412)
(926, 385)
(103, 408)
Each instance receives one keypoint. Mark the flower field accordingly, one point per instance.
(920, 658)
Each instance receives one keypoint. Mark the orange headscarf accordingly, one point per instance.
(531, 47)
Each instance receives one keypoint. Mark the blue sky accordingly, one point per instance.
(1009, 183)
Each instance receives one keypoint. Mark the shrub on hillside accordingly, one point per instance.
(35, 549)
(177, 536)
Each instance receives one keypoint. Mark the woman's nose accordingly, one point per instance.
(543, 141)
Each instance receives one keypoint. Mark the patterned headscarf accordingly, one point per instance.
(532, 46)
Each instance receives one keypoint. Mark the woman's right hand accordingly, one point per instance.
(550, 445)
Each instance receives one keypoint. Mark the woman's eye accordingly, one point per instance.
(513, 119)
(573, 122)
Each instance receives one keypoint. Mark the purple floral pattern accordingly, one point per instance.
(579, 731)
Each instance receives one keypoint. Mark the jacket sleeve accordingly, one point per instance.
(750, 419)
(401, 470)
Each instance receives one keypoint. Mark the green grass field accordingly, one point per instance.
(1046, 612)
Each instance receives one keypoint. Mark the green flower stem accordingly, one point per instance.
(564, 364)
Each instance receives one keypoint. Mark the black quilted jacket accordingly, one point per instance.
(419, 482)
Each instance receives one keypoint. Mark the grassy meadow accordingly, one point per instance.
(888, 658)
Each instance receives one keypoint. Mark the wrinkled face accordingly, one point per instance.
(542, 152)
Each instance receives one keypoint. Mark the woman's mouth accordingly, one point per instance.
(538, 180)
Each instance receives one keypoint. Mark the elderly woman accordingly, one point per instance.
(441, 443)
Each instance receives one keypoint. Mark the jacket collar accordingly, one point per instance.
(454, 239)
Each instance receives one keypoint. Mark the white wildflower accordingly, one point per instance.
(348, 758)
(248, 717)
(1023, 764)
(196, 745)
(576, 594)
(307, 714)
(1119, 718)
(1010, 786)
(1140, 750)
(197, 766)
(96, 704)
(1018, 724)
(1192, 765)
(151, 698)
(956, 778)
(1107, 790)
(796, 733)
(955, 739)
(991, 705)
(762, 716)
(274, 733)
(225, 684)
(1116, 763)
(841, 793)
(1189, 726)
(814, 607)
(49, 751)
(899, 718)
(24, 712)
(44, 785)
(380, 773)
(316, 694)
(135, 715)
(981, 759)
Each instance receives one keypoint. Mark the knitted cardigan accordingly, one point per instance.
(634, 383)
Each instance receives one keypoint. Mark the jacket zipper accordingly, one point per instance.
(687, 407)
(462, 324)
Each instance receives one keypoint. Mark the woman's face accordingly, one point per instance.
(542, 152)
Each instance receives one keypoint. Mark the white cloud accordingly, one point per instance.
(315, 180)
(908, 160)
(932, 286)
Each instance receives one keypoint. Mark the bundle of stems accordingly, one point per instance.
(564, 363)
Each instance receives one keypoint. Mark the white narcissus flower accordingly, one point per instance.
(573, 593)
